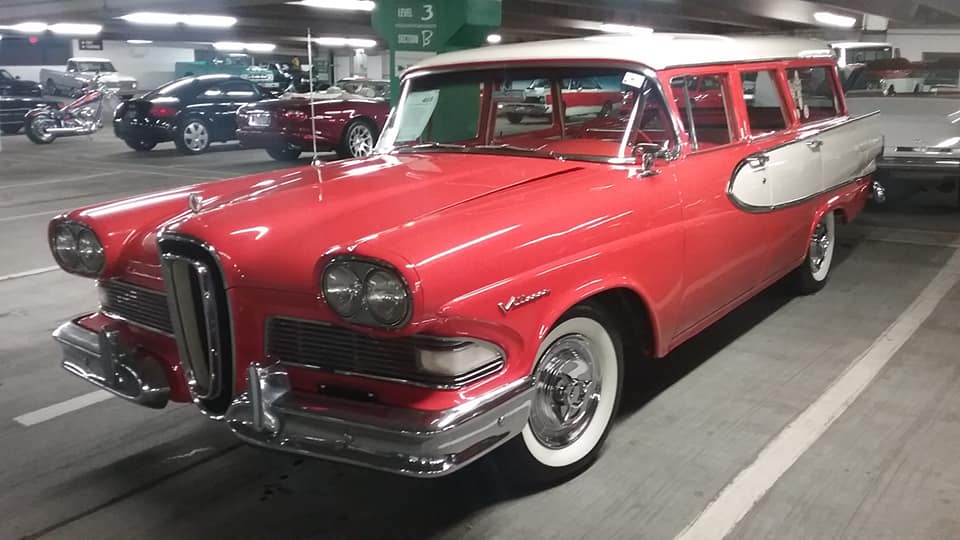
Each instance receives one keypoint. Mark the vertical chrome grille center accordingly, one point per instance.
(200, 319)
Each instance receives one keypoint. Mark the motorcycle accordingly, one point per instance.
(82, 116)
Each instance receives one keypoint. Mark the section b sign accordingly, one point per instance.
(416, 25)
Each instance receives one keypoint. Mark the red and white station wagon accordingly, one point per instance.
(472, 287)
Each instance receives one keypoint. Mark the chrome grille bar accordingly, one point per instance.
(137, 305)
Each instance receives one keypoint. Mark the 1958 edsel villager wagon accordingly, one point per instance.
(473, 285)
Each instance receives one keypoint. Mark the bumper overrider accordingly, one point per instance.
(271, 414)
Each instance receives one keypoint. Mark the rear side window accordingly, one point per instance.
(765, 110)
(813, 93)
(702, 101)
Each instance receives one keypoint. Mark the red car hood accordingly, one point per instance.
(290, 219)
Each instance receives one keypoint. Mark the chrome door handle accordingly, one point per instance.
(814, 144)
(758, 161)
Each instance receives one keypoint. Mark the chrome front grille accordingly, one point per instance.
(318, 345)
(136, 305)
(199, 317)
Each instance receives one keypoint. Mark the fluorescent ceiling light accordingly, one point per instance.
(74, 28)
(353, 5)
(345, 42)
(139, 41)
(625, 29)
(169, 19)
(832, 19)
(494, 38)
(237, 46)
(28, 27)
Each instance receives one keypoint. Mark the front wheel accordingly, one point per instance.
(37, 129)
(577, 383)
(514, 118)
(193, 137)
(140, 145)
(284, 154)
(358, 140)
(812, 275)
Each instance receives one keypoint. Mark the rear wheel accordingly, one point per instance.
(50, 87)
(812, 275)
(577, 383)
(140, 145)
(284, 154)
(358, 140)
(11, 129)
(193, 137)
(514, 118)
(37, 129)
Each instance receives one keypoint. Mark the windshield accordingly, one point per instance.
(916, 80)
(95, 66)
(515, 110)
(5, 75)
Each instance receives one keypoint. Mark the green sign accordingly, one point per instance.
(416, 26)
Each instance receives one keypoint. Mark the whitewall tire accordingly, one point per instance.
(812, 275)
(577, 382)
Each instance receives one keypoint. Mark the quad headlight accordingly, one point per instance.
(76, 248)
(367, 293)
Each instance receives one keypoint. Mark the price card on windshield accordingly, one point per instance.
(635, 80)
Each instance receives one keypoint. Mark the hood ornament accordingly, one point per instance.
(517, 301)
(195, 202)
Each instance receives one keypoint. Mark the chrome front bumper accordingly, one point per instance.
(404, 441)
(99, 359)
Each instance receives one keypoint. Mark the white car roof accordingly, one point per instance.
(860, 44)
(86, 59)
(654, 50)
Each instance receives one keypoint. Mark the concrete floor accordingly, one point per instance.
(886, 468)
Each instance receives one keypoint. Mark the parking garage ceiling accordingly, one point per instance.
(286, 24)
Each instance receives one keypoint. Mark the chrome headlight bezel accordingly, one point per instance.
(365, 315)
(70, 257)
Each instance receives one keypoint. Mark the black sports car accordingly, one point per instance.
(192, 112)
(16, 98)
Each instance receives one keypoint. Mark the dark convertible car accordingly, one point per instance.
(17, 97)
(192, 112)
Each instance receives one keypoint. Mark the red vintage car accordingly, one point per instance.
(347, 118)
(474, 287)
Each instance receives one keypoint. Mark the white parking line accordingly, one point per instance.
(746, 489)
(50, 213)
(58, 180)
(62, 408)
(28, 273)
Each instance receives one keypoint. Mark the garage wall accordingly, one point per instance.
(152, 65)
(914, 42)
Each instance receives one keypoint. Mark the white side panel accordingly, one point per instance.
(800, 173)
(818, 162)
(851, 150)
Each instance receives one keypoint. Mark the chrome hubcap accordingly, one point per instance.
(40, 128)
(567, 391)
(195, 136)
(819, 246)
(360, 141)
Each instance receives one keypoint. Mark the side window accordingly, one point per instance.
(813, 93)
(765, 110)
(239, 89)
(214, 91)
(703, 111)
(71, 66)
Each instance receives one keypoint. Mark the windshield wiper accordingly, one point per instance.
(431, 145)
(523, 149)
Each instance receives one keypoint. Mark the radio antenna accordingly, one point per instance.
(313, 114)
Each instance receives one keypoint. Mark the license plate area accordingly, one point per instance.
(259, 119)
